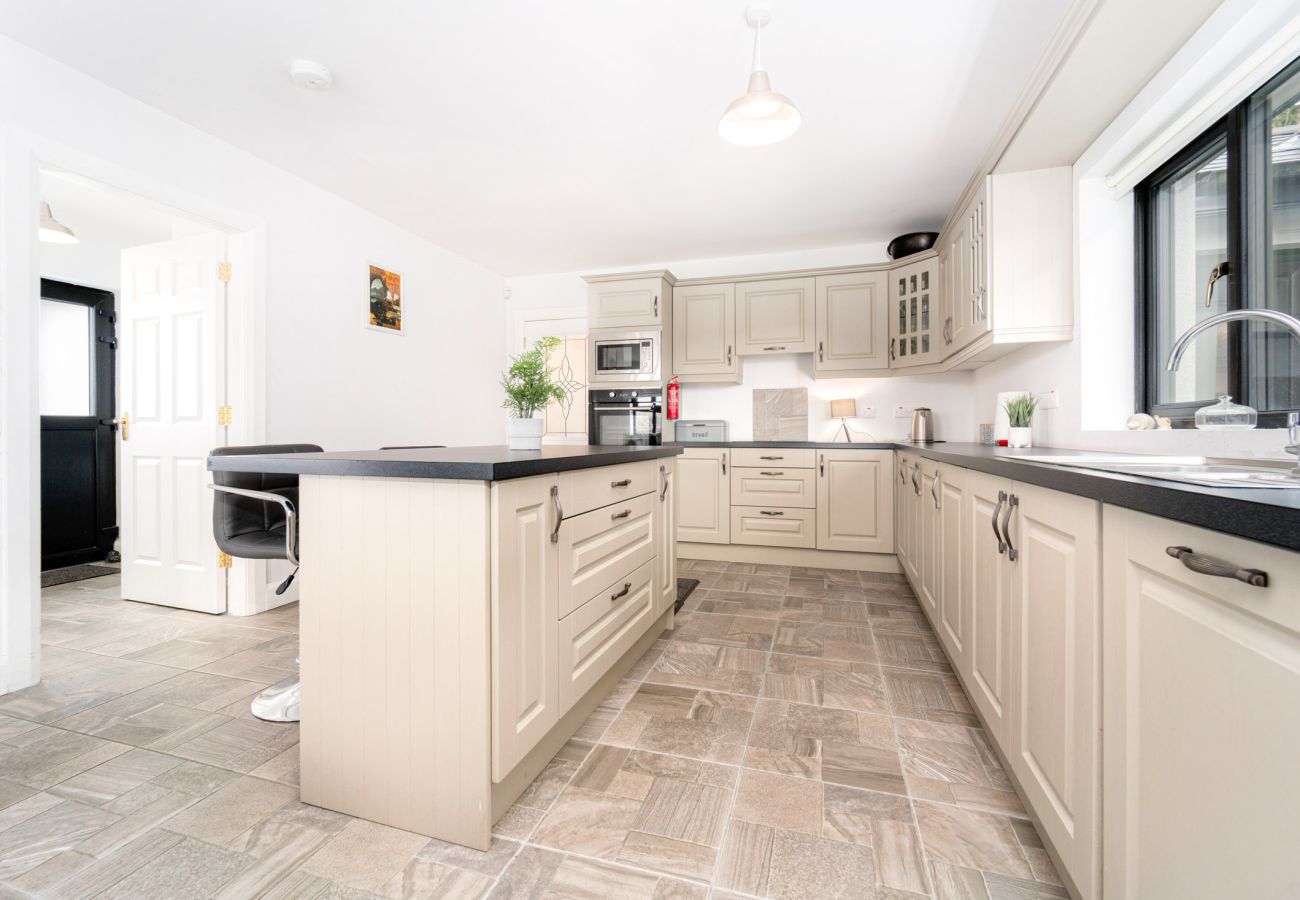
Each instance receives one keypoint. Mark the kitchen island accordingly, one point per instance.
(463, 611)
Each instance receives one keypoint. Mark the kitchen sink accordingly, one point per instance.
(1202, 470)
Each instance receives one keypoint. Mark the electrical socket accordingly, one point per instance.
(901, 412)
(1048, 399)
(868, 412)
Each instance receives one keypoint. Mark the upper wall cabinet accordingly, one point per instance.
(1012, 266)
(917, 322)
(629, 301)
(775, 316)
(851, 325)
(704, 333)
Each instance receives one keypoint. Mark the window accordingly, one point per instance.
(1218, 228)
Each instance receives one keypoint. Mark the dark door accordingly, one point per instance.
(78, 444)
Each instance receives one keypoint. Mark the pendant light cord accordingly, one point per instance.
(756, 62)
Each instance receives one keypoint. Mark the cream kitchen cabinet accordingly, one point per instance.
(704, 333)
(1202, 714)
(988, 580)
(855, 500)
(704, 496)
(852, 329)
(948, 495)
(776, 315)
(666, 536)
(916, 319)
(630, 301)
(908, 515)
(926, 527)
(1010, 251)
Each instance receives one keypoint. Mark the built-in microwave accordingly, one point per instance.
(622, 357)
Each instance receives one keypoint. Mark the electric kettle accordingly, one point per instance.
(922, 425)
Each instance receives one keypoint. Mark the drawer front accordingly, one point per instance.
(775, 486)
(769, 526)
(764, 457)
(600, 546)
(597, 634)
(590, 489)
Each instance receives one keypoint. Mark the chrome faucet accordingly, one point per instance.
(1289, 322)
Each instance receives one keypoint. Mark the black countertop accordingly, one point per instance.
(495, 463)
(1269, 515)
(789, 445)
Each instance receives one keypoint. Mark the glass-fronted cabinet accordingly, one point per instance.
(917, 323)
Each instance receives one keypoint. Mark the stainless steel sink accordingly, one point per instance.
(1207, 471)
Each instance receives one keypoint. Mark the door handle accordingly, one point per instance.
(891, 348)
(1208, 565)
(559, 514)
(1012, 502)
(1002, 544)
(1219, 271)
(663, 475)
(624, 483)
(627, 586)
(614, 517)
(916, 485)
(821, 465)
(125, 421)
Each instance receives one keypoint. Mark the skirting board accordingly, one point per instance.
(507, 790)
(791, 556)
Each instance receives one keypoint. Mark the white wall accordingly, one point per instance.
(327, 378)
(948, 395)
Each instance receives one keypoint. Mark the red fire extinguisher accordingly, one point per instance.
(674, 399)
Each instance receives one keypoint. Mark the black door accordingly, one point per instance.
(78, 444)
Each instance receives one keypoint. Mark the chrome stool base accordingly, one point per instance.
(279, 702)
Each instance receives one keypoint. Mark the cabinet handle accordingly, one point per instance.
(656, 306)
(1002, 544)
(934, 488)
(663, 476)
(770, 512)
(559, 514)
(902, 473)
(891, 348)
(624, 483)
(728, 354)
(771, 473)
(1012, 502)
(614, 517)
(773, 348)
(771, 457)
(627, 586)
(916, 485)
(724, 464)
(821, 465)
(821, 351)
(1208, 565)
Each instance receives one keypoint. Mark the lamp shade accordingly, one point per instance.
(760, 117)
(844, 409)
(52, 231)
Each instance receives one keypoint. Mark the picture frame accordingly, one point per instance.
(384, 310)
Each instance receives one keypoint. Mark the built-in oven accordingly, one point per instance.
(625, 416)
(628, 356)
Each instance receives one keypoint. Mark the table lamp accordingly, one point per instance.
(844, 410)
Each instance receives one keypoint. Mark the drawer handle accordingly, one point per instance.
(1012, 502)
(771, 473)
(623, 515)
(773, 348)
(559, 514)
(624, 483)
(663, 474)
(1208, 565)
(770, 512)
(771, 457)
(627, 586)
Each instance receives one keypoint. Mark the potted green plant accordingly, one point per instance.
(1020, 415)
(529, 388)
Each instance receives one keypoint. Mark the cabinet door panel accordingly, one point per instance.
(855, 500)
(525, 692)
(851, 325)
(704, 330)
(704, 496)
(666, 534)
(953, 625)
(988, 587)
(776, 316)
(631, 303)
(1055, 693)
(927, 541)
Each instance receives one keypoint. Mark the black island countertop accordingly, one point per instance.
(493, 463)
(1268, 515)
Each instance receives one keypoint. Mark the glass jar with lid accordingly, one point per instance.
(1225, 415)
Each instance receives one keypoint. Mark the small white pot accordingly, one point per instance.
(1020, 437)
(524, 434)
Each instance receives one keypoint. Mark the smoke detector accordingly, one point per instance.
(310, 75)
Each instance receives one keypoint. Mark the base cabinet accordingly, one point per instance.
(1202, 716)
(988, 578)
(704, 496)
(855, 500)
(666, 536)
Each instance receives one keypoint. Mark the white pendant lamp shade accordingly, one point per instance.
(52, 231)
(761, 116)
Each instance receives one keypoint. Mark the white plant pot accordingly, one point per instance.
(1020, 437)
(524, 434)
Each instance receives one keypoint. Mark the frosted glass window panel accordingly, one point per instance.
(66, 338)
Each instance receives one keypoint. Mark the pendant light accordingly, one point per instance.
(761, 116)
(52, 231)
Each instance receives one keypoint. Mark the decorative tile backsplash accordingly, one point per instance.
(781, 415)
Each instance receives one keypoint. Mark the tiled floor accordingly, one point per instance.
(798, 735)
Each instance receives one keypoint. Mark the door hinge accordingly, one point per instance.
(224, 560)
(111, 316)
(225, 415)
(223, 271)
(112, 342)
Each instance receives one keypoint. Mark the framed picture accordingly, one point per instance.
(385, 300)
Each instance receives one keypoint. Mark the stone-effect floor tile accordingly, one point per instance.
(804, 866)
(972, 839)
(190, 869)
(232, 809)
(48, 833)
(794, 804)
(528, 874)
(588, 822)
(365, 855)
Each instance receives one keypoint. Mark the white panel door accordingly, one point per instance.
(171, 358)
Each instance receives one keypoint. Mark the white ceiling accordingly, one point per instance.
(538, 137)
